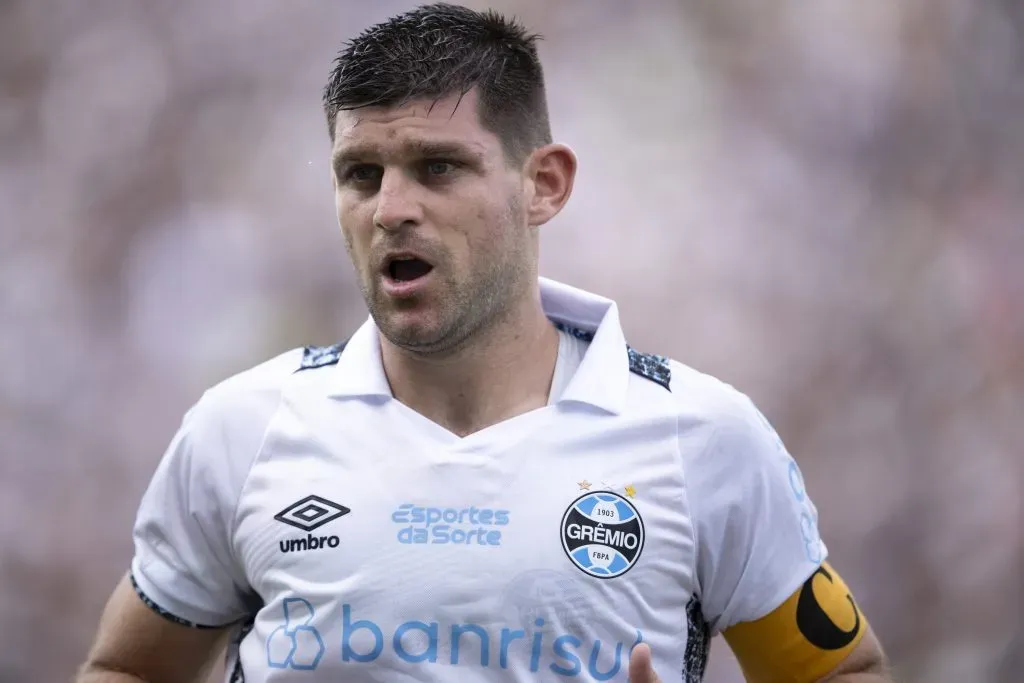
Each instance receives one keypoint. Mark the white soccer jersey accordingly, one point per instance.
(354, 540)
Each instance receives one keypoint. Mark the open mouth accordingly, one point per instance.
(407, 268)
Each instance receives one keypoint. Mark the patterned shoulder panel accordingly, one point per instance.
(649, 366)
(654, 368)
(320, 356)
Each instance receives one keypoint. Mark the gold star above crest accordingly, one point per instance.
(630, 491)
(584, 485)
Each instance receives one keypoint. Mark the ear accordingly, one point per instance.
(551, 171)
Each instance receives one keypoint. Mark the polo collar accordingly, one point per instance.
(601, 380)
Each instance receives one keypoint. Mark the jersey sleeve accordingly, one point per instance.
(184, 566)
(757, 529)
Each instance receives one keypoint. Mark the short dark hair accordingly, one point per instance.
(438, 50)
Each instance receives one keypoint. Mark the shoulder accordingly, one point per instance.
(739, 472)
(223, 432)
(699, 395)
(693, 391)
(251, 387)
(244, 403)
(719, 425)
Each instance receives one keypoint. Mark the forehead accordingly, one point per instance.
(452, 120)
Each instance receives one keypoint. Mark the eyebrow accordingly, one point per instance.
(422, 149)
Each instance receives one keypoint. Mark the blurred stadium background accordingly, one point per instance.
(821, 202)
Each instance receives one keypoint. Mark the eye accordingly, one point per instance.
(362, 174)
(439, 167)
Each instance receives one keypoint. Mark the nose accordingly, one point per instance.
(398, 205)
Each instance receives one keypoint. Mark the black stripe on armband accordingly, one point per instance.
(161, 611)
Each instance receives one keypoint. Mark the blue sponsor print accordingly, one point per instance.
(296, 644)
(470, 526)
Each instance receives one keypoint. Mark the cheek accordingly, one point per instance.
(485, 245)
(355, 226)
(479, 233)
(496, 228)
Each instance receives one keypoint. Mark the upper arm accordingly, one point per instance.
(184, 564)
(817, 633)
(756, 526)
(171, 611)
(187, 588)
(763, 579)
(133, 639)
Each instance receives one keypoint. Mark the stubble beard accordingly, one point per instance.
(463, 310)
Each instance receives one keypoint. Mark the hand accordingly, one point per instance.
(640, 668)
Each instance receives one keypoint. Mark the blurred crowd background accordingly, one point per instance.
(820, 202)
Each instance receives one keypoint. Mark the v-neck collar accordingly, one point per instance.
(601, 380)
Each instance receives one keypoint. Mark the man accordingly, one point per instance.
(485, 483)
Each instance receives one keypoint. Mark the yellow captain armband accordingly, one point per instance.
(803, 639)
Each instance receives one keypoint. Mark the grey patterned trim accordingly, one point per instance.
(237, 672)
(575, 332)
(654, 368)
(698, 643)
(646, 365)
(161, 611)
(320, 356)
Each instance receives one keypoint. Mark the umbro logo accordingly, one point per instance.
(310, 513)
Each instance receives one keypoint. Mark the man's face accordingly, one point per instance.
(433, 219)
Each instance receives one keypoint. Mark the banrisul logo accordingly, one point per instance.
(309, 514)
(602, 534)
(542, 649)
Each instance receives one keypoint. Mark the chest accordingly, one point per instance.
(531, 548)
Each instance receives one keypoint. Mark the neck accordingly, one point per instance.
(503, 371)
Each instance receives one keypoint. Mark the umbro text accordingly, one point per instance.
(310, 542)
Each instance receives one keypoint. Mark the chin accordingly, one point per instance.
(410, 330)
